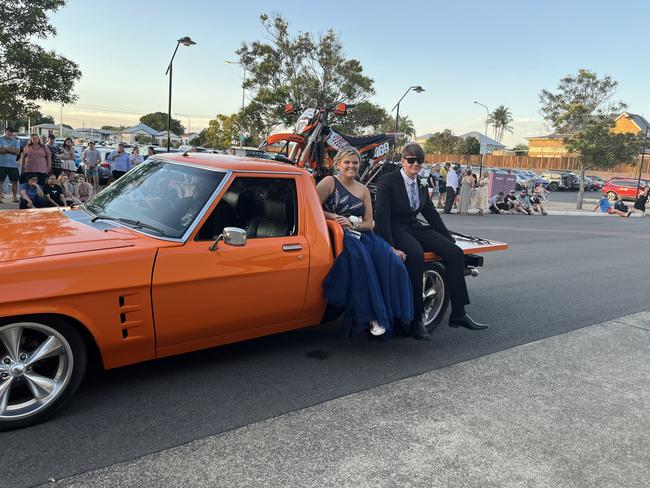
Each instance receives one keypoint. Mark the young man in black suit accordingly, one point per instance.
(400, 199)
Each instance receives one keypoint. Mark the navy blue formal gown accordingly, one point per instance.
(367, 280)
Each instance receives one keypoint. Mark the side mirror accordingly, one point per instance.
(233, 236)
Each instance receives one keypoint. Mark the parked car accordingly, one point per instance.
(538, 180)
(597, 182)
(241, 243)
(623, 187)
(561, 180)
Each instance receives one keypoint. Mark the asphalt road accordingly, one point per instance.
(561, 273)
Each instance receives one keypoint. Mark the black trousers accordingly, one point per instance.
(415, 242)
(118, 174)
(449, 198)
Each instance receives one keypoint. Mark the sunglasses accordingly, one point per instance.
(413, 161)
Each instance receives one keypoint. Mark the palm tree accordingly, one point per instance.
(500, 119)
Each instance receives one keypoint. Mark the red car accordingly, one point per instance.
(624, 187)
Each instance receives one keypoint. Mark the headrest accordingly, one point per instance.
(275, 210)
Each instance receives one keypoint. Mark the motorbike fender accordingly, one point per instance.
(273, 138)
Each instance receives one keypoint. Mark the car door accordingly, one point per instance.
(204, 297)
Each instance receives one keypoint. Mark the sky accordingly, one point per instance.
(498, 53)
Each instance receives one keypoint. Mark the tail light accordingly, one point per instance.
(105, 165)
(341, 109)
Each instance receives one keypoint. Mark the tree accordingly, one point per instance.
(158, 121)
(405, 128)
(196, 141)
(582, 107)
(521, 149)
(578, 100)
(308, 70)
(365, 118)
(444, 142)
(598, 147)
(35, 118)
(469, 145)
(116, 128)
(500, 119)
(221, 131)
(27, 71)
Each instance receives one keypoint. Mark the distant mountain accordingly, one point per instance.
(423, 137)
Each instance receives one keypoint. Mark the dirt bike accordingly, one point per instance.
(313, 144)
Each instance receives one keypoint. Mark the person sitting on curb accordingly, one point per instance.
(497, 205)
(537, 201)
(31, 194)
(619, 205)
(606, 207)
(510, 200)
(522, 203)
(641, 201)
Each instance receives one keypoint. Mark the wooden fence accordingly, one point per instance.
(569, 163)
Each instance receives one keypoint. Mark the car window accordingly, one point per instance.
(264, 207)
(159, 193)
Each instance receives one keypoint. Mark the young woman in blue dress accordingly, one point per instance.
(368, 280)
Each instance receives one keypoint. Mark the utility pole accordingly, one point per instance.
(638, 182)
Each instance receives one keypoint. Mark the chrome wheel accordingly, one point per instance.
(36, 364)
(433, 289)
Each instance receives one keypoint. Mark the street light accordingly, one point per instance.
(417, 89)
(487, 119)
(243, 94)
(185, 41)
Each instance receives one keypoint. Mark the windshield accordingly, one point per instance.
(159, 194)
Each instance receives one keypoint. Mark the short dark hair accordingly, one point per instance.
(9, 129)
(413, 150)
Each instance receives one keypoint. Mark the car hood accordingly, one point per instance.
(28, 234)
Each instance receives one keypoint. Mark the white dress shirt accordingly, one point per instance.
(452, 179)
(408, 181)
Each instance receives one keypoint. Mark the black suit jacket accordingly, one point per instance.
(393, 212)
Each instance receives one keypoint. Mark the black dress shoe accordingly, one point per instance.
(419, 331)
(467, 322)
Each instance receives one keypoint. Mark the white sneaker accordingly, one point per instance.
(376, 329)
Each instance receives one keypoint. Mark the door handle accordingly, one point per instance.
(291, 247)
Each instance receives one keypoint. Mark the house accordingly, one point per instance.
(186, 138)
(549, 146)
(47, 129)
(96, 134)
(633, 123)
(143, 133)
(488, 145)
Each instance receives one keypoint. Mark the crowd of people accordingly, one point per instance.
(44, 174)
(453, 187)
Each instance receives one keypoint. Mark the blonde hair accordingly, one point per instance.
(344, 152)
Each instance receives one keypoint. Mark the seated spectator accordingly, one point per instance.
(510, 200)
(606, 207)
(522, 203)
(84, 190)
(620, 206)
(537, 200)
(69, 189)
(31, 194)
(497, 204)
(53, 192)
(641, 201)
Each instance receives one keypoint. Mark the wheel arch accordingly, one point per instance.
(95, 359)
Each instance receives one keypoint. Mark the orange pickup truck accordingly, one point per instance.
(184, 252)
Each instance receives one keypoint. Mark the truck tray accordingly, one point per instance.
(469, 244)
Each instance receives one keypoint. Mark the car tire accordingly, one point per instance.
(553, 186)
(435, 295)
(611, 195)
(42, 364)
